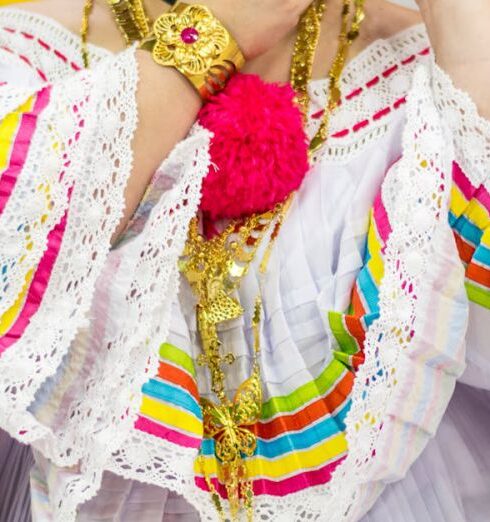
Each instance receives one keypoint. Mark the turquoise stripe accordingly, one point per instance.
(482, 255)
(466, 229)
(368, 290)
(173, 395)
(370, 318)
(290, 442)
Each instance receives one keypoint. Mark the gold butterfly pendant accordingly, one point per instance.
(228, 424)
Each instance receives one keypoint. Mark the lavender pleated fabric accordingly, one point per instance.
(15, 464)
(450, 482)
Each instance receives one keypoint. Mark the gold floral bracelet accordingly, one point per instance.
(193, 41)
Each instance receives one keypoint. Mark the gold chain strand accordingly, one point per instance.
(131, 19)
(309, 29)
(87, 9)
(346, 38)
(141, 18)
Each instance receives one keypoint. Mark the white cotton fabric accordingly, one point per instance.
(315, 262)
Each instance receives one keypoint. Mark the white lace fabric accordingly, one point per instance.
(95, 431)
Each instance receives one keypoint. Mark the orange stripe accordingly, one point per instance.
(357, 305)
(478, 274)
(315, 411)
(355, 328)
(177, 376)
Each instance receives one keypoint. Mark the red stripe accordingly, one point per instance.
(465, 250)
(381, 220)
(479, 274)
(390, 71)
(381, 113)
(357, 303)
(354, 93)
(373, 82)
(360, 125)
(320, 408)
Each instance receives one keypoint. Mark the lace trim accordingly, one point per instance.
(471, 132)
(378, 77)
(36, 356)
(376, 83)
(48, 46)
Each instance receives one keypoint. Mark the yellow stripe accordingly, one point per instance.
(291, 463)
(375, 264)
(8, 129)
(478, 214)
(8, 317)
(170, 416)
(458, 201)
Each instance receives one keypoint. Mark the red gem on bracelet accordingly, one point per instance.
(189, 35)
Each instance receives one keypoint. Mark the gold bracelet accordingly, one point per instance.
(191, 39)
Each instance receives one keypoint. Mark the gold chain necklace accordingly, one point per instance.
(87, 9)
(130, 17)
(212, 270)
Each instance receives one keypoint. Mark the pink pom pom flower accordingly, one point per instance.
(259, 152)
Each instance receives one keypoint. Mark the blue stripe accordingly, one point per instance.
(466, 229)
(369, 290)
(482, 255)
(290, 442)
(173, 395)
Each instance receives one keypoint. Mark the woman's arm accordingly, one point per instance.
(460, 35)
(168, 104)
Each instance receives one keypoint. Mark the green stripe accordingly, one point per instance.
(306, 393)
(478, 295)
(346, 341)
(178, 357)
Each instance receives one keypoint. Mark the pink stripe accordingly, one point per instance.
(468, 190)
(163, 432)
(381, 219)
(284, 487)
(38, 286)
(462, 182)
(483, 196)
(8, 178)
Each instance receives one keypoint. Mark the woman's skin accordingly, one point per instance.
(460, 36)
(265, 30)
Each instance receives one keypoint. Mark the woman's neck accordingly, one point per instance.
(383, 19)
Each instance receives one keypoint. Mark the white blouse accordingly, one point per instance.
(377, 138)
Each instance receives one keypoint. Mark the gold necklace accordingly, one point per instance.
(212, 270)
(87, 9)
(130, 17)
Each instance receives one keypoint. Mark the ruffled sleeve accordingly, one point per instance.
(425, 279)
(71, 369)
(66, 157)
(469, 215)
